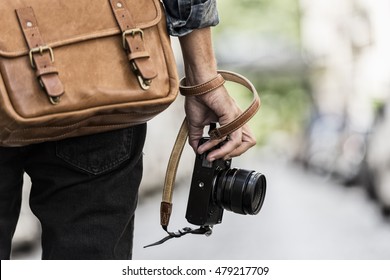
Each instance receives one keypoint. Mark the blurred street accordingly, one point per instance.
(304, 217)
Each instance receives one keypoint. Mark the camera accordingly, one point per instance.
(215, 187)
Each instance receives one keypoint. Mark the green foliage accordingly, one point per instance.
(285, 105)
(277, 17)
(285, 101)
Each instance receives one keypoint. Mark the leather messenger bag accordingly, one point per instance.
(77, 67)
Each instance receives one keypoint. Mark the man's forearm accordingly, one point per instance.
(198, 54)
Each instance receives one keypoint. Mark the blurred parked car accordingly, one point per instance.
(378, 160)
(333, 148)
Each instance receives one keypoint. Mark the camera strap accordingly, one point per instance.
(166, 204)
(215, 133)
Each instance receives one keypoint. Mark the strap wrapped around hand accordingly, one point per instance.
(213, 84)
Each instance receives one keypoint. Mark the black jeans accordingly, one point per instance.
(84, 192)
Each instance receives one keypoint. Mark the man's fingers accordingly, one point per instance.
(248, 141)
(239, 150)
(228, 146)
(238, 143)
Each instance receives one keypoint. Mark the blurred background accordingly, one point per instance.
(323, 74)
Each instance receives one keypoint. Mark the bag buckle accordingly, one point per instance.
(144, 83)
(40, 50)
(131, 32)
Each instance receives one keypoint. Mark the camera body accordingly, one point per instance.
(201, 209)
(215, 187)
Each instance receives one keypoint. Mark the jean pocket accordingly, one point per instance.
(99, 153)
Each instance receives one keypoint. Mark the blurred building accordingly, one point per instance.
(346, 44)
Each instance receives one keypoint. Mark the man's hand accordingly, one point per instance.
(216, 106)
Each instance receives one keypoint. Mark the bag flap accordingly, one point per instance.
(63, 22)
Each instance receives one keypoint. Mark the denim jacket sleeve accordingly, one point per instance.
(183, 16)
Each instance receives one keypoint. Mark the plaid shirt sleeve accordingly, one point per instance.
(183, 16)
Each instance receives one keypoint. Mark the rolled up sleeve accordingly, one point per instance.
(183, 16)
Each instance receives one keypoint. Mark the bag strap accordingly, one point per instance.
(133, 43)
(41, 55)
(166, 204)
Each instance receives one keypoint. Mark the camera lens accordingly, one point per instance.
(240, 191)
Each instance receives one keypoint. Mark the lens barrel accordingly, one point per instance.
(240, 191)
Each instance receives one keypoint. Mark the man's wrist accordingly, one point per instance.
(199, 75)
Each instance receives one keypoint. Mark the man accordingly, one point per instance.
(84, 189)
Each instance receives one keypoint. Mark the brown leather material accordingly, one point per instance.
(42, 60)
(170, 175)
(165, 213)
(177, 150)
(101, 90)
(173, 162)
(202, 88)
(134, 41)
(223, 131)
